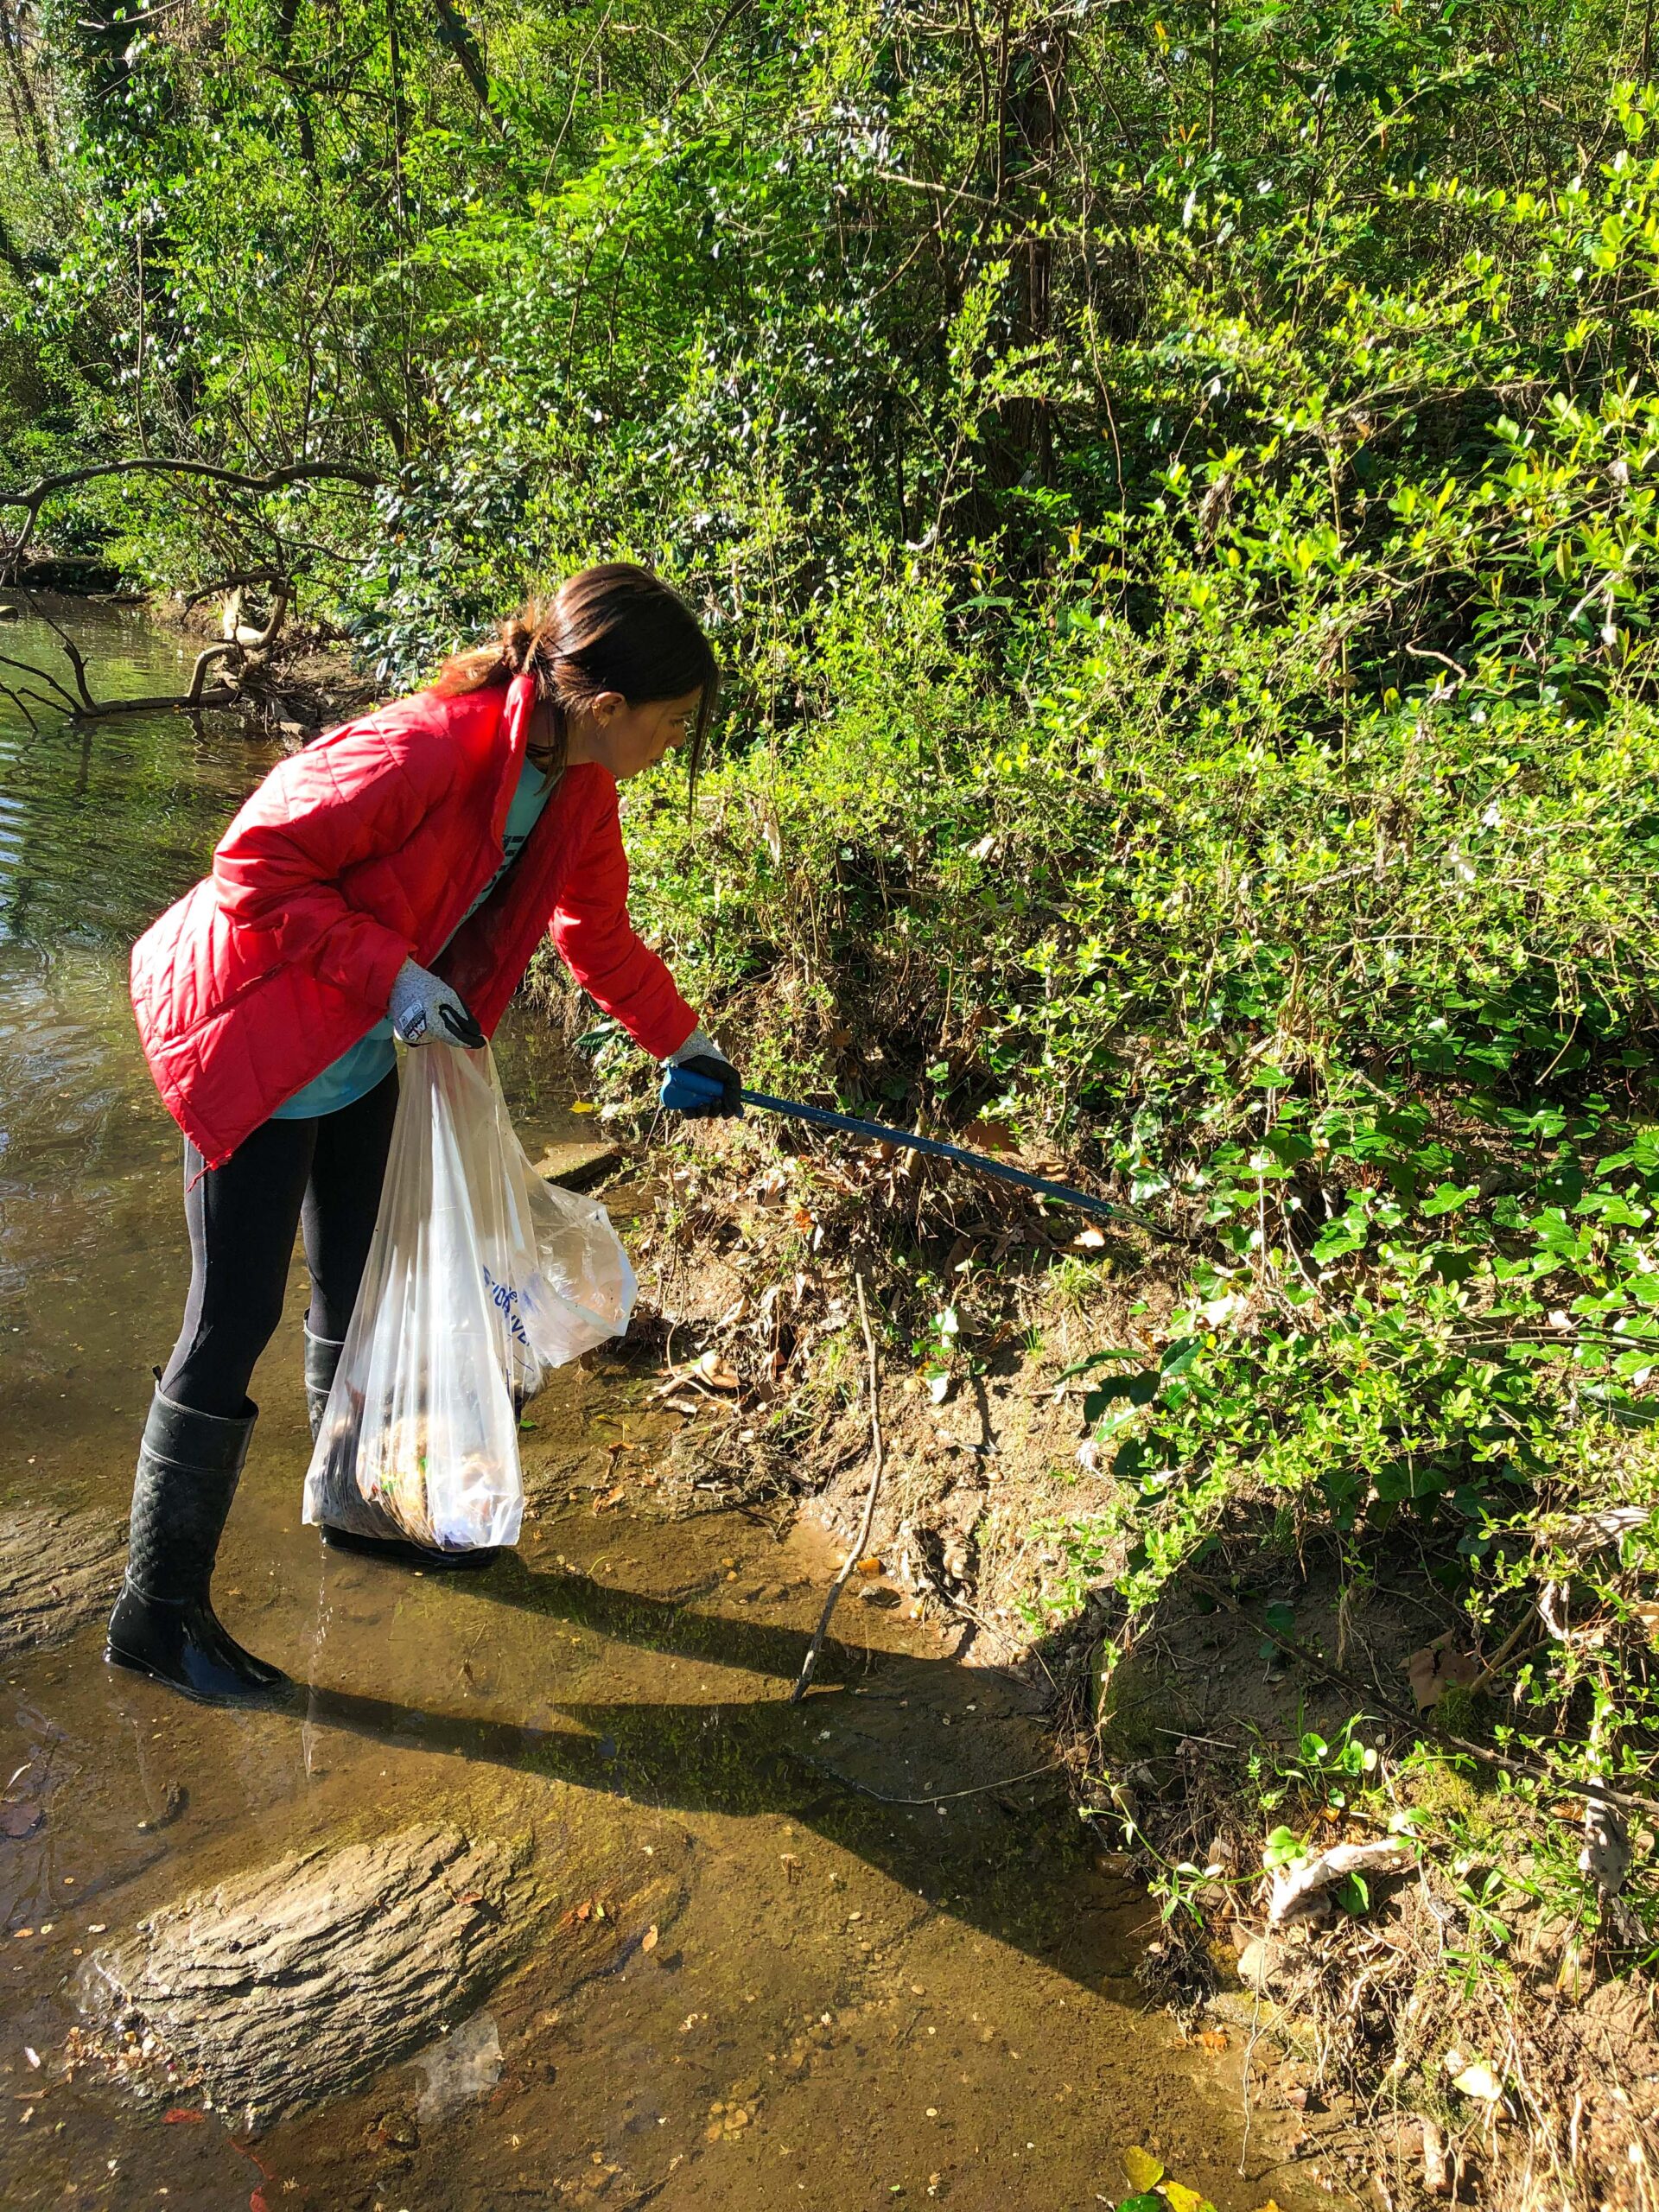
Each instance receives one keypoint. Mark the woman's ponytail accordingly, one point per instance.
(614, 627)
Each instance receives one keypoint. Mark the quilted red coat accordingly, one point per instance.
(361, 852)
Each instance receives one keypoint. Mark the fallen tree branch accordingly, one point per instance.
(186, 703)
(87, 707)
(63, 698)
(865, 1525)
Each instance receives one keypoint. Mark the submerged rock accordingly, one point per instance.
(59, 1568)
(295, 1982)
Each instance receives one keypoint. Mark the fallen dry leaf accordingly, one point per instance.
(991, 1136)
(648, 1940)
(1180, 2198)
(610, 1497)
(870, 1565)
(182, 2115)
(1088, 1240)
(1430, 1669)
(1606, 1853)
(1213, 2039)
(713, 1370)
(1477, 2080)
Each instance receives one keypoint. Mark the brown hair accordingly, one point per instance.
(614, 627)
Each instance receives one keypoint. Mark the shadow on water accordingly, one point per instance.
(748, 1756)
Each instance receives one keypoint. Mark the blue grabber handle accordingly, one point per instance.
(682, 1089)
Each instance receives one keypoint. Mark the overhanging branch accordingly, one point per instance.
(31, 497)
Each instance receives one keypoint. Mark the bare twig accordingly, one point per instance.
(17, 698)
(939, 1797)
(1427, 652)
(723, 24)
(72, 652)
(237, 577)
(865, 1525)
(44, 676)
(1500, 1657)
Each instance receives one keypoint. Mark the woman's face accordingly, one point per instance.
(629, 740)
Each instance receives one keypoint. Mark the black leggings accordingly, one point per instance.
(242, 1216)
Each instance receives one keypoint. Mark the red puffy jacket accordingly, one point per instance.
(361, 852)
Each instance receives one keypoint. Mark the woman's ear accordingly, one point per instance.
(604, 706)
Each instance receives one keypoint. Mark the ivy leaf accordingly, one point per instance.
(1145, 2172)
(1448, 1198)
(1281, 1619)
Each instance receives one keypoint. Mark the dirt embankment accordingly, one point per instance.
(303, 682)
(1439, 2050)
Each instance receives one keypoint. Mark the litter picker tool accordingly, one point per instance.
(683, 1088)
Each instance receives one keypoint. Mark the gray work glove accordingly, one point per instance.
(424, 1010)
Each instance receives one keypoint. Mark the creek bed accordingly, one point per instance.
(543, 1893)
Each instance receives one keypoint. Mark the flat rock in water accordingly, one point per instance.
(298, 1981)
(577, 1166)
(59, 1568)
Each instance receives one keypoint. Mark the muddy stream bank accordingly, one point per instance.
(543, 1893)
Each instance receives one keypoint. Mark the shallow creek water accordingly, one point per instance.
(734, 1963)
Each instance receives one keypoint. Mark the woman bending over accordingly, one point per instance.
(390, 881)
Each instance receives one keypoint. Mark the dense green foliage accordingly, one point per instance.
(1175, 493)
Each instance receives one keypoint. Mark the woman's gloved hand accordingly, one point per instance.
(424, 1010)
(701, 1058)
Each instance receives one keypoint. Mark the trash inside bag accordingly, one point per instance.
(562, 1281)
(480, 1279)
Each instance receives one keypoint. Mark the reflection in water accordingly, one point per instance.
(844, 1995)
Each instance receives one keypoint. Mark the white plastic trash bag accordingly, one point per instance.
(564, 1282)
(481, 1278)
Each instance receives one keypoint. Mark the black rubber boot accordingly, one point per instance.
(164, 1625)
(322, 1358)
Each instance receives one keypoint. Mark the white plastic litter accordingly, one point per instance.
(460, 2066)
(481, 1278)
